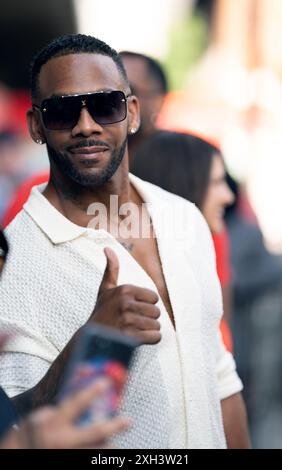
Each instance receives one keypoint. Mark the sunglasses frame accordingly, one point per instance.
(43, 107)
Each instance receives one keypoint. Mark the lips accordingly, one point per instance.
(89, 150)
(90, 153)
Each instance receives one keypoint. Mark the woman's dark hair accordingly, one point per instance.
(179, 163)
(232, 208)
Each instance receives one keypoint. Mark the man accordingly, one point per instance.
(54, 427)
(83, 110)
(149, 83)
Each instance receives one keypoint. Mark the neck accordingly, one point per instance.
(73, 200)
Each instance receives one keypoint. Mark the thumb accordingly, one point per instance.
(110, 277)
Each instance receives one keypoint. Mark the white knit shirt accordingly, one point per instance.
(49, 289)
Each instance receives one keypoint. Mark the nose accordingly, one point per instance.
(86, 125)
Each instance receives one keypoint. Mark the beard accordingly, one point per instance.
(67, 167)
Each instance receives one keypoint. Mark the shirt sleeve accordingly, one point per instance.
(20, 371)
(28, 354)
(229, 382)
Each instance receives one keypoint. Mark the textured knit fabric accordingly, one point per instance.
(49, 289)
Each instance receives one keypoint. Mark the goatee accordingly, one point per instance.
(66, 167)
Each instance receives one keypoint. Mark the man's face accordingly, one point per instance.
(147, 90)
(89, 153)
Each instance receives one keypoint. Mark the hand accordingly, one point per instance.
(56, 428)
(130, 309)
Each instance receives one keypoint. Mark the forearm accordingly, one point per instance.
(235, 422)
(46, 390)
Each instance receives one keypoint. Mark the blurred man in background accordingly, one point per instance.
(149, 83)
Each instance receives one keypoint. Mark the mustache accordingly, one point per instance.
(87, 143)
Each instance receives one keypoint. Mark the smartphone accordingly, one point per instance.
(101, 352)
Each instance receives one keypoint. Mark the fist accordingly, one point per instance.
(129, 308)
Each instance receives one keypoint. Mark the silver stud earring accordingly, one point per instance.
(39, 141)
(133, 130)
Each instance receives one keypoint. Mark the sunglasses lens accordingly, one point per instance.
(61, 113)
(107, 107)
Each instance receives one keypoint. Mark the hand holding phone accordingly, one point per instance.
(101, 352)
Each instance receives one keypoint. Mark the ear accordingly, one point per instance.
(35, 126)
(133, 114)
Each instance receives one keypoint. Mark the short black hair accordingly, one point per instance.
(155, 69)
(71, 44)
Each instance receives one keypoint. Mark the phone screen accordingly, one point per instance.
(101, 353)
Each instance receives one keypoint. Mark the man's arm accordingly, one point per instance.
(47, 389)
(235, 422)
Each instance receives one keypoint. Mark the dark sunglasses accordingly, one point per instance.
(4, 248)
(63, 112)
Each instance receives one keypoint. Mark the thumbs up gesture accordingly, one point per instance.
(129, 308)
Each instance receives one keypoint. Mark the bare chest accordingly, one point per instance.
(145, 252)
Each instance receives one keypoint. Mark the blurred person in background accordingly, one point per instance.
(54, 426)
(13, 168)
(17, 164)
(257, 322)
(20, 196)
(192, 168)
(20, 159)
(149, 83)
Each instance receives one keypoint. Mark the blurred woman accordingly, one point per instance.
(193, 169)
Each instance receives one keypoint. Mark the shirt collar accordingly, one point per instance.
(57, 227)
